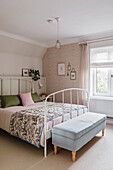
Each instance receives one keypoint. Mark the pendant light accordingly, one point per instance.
(58, 44)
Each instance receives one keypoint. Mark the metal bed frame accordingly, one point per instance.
(84, 93)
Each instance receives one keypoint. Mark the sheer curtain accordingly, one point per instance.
(84, 70)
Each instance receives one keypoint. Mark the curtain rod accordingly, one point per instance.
(96, 40)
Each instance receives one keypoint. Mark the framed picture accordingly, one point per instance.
(68, 68)
(61, 69)
(73, 74)
(25, 72)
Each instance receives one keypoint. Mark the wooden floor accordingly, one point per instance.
(16, 154)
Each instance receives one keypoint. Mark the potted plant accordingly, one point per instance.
(35, 76)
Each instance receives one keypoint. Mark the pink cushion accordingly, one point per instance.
(26, 99)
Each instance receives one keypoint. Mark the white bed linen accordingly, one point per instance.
(6, 113)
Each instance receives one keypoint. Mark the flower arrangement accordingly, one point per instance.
(35, 74)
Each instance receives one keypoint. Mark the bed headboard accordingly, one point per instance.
(11, 85)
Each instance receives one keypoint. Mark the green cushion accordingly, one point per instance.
(36, 98)
(10, 100)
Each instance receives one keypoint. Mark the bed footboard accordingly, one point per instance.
(85, 100)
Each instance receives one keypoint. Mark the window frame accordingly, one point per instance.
(95, 93)
(93, 63)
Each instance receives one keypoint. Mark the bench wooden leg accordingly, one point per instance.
(55, 149)
(73, 156)
(102, 132)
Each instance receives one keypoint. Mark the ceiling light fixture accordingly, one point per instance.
(50, 21)
(58, 44)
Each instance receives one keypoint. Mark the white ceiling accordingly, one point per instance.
(27, 19)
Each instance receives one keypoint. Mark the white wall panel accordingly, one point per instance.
(14, 86)
(28, 86)
(23, 86)
(6, 86)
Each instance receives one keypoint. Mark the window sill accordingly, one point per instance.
(101, 98)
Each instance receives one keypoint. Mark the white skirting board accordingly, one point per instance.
(109, 121)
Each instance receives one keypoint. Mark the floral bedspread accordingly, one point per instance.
(28, 124)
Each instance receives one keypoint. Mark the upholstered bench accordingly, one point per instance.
(76, 132)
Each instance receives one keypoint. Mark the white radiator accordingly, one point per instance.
(102, 105)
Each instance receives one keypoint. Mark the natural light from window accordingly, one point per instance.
(101, 71)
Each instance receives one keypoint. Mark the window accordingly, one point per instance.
(101, 71)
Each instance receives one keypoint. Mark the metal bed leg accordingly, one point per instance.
(45, 118)
(45, 150)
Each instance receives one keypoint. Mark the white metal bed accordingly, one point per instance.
(11, 85)
(85, 99)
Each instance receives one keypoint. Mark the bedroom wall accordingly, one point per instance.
(16, 54)
(67, 53)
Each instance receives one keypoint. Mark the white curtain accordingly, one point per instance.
(84, 69)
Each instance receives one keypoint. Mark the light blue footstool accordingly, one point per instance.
(76, 132)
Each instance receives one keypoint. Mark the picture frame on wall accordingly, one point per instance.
(25, 72)
(73, 74)
(61, 70)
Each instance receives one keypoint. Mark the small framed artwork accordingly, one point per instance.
(73, 74)
(61, 69)
(25, 72)
(68, 68)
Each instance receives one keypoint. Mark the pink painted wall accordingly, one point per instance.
(67, 53)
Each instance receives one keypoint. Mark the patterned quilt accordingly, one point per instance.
(28, 124)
